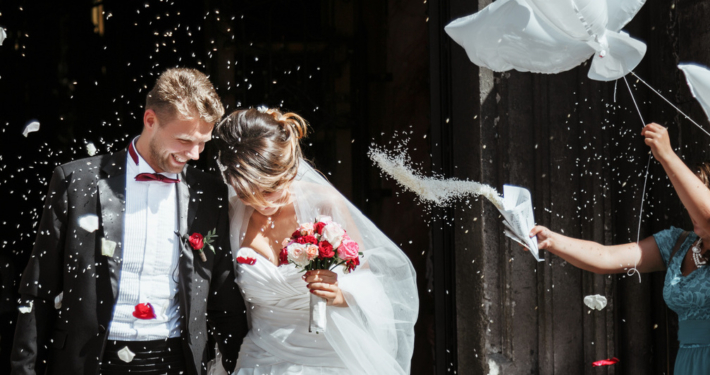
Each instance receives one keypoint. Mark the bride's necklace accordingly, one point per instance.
(270, 220)
(697, 256)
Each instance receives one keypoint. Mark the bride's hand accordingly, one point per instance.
(324, 283)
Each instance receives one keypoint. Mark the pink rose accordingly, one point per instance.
(286, 242)
(312, 251)
(306, 229)
(348, 249)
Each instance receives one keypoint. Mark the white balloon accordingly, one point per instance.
(507, 35)
(698, 78)
(621, 12)
(551, 36)
(626, 54)
(578, 19)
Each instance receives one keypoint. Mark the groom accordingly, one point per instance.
(124, 276)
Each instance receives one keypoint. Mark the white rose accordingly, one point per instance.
(333, 233)
(298, 254)
(324, 219)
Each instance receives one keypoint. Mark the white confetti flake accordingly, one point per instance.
(107, 247)
(126, 355)
(58, 300)
(31, 127)
(90, 149)
(595, 302)
(27, 308)
(3, 35)
(89, 222)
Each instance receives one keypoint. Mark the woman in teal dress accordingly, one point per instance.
(687, 286)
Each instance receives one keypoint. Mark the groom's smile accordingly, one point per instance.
(168, 145)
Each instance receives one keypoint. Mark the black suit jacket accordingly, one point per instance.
(68, 259)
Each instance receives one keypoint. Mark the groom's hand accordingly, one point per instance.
(324, 283)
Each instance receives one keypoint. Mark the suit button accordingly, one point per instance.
(102, 329)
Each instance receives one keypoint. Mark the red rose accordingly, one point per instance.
(296, 234)
(283, 257)
(352, 263)
(325, 250)
(319, 227)
(306, 239)
(196, 241)
(144, 311)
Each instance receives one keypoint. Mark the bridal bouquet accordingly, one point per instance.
(321, 245)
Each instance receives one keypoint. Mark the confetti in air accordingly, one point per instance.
(3, 35)
(595, 302)
(89, 222)
(33, 126)
(91, 149)
(438, 191)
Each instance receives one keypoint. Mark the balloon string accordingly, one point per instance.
(669, 102)
(643, 123)
(634, 270)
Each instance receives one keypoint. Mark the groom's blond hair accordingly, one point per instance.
(184, 93)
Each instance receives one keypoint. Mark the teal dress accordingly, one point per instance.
(689, 297)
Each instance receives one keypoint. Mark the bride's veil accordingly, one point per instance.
(375, 334)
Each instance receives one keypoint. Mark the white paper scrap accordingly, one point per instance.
(595, 302)
(90, 149)
(58, 300)
(518, 217)
(89, 222)
(107, 247)
(31, 127)
(26, 309)
(126, 355)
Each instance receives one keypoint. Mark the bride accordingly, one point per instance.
(371, 311)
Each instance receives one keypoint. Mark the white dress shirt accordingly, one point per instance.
(149, 272)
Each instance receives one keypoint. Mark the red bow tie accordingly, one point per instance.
(156, 177)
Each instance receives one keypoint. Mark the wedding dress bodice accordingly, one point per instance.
(278, 307)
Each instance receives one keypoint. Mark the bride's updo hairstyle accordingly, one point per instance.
(260, 152)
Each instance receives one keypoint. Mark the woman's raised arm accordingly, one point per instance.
(597, 258)
(691, 190)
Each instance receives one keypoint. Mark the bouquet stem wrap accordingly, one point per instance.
(317, 320)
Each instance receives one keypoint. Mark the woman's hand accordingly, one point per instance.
(324, 283)
(656, 137)
(544, 237)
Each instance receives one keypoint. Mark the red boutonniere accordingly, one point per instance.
(144, 311)
(197, 242)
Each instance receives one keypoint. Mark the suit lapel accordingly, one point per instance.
(112, 195)
(187, 209)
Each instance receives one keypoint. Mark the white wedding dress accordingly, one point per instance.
(278, 341)
(373, 335)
